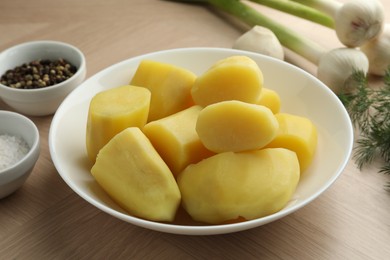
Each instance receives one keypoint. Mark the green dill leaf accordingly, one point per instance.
(369, 110)
(385, 169)
(365, 151)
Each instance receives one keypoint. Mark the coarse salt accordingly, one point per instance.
(12, 150)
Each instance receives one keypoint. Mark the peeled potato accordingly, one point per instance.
(170, 87)
(130, 170)
(298, 134)
(271, 99)
(233, 78)
(176, 140)
(236, 126)
(112, 111)
(231, 186)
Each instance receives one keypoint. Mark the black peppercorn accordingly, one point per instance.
(38, 74)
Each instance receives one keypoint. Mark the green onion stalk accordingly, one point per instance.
(329, 7)
(299, 10)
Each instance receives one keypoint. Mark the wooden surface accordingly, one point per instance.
(45, 219)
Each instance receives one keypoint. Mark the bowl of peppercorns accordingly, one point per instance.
(35, 77)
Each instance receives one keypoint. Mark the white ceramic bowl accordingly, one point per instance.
(42, 101)
(300, 93)
(15, 124)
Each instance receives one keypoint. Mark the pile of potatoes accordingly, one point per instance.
(216, 143)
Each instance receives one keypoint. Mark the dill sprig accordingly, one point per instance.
(369, 109)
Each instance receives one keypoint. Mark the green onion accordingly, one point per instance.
(329, 7)
(299, 10)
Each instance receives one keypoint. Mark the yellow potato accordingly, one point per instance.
(233, 78)
(235, 186)
(130, 170)
(113, 110)
(298, 134)
(170, 87)
(270, 99)
(236, 126)
(176, 140)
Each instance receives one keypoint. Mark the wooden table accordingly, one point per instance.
(45, 219)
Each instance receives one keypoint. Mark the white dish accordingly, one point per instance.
(300, 93)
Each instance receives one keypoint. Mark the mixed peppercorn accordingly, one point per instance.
(38, 74)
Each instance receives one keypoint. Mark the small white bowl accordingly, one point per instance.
(42, 101)
(301, 94)
(15, 124)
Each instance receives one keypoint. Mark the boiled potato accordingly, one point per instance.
(271, 99)
(112, 111)
(170, 87)
(232, 78)
(236, 126)
(231, 186)
(298, 134)
(130, 170)
(176, 140)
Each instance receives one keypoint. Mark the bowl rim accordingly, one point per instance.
(194, 229)
(33, 149)
(68, 46)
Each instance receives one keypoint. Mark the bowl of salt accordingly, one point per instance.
(19, 150)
